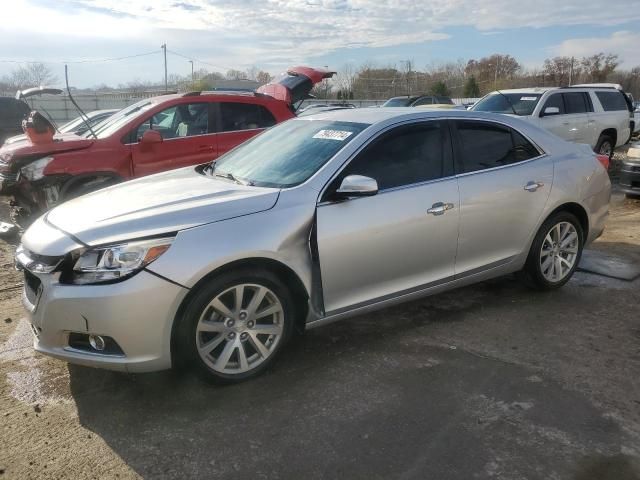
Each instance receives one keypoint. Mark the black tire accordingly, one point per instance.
(605, 146)
(533, 267)
(186, 335)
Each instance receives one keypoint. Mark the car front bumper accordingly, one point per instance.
(136, 313)
(630, 177)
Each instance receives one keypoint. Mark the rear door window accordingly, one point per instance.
(236, 116)
(575, 102)
(612, 101)
(424, 101)
(484, 145)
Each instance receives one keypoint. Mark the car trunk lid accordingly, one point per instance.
(296, 85)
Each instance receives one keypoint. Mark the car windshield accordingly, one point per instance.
(124, 116)
(287, 154)
(519, 103)
(397, 102)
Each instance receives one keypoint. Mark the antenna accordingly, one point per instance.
(83, 115)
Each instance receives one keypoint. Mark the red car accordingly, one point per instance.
(151, 136)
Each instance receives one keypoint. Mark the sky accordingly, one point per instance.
(274, 34)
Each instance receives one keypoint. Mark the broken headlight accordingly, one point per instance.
(35, 170)
(117, 262)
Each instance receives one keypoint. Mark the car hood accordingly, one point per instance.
(61, 143)
(157, 204)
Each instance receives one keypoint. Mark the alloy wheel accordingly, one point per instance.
(240, 328)
(559, 252)
(605, 148)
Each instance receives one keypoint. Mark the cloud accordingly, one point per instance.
(624, 43)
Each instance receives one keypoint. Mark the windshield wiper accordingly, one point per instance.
(229, 176)
(508, 101)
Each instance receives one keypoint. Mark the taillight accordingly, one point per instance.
(604, 160)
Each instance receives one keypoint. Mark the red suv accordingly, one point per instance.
(151, 136)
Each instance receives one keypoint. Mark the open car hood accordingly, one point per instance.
(296, 85)
(30, 92)
(61, 143)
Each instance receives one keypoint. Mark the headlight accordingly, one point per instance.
(117, 262)
(35, 170)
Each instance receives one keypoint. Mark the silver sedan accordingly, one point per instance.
(315, 220)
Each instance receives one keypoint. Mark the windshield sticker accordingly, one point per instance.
(529, 99)
(339, 135)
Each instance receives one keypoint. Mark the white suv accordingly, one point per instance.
(598, 116)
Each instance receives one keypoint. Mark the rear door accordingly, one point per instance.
(187, 139)
(577, 106)
(504, 183)
(237, 122)
(390, 243)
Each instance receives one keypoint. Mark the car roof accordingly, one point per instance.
(376, 115)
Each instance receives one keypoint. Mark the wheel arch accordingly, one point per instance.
(612, 133)
(576, 209)
(285, 273)
(77, 180)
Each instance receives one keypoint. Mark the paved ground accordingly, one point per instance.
(493, 381)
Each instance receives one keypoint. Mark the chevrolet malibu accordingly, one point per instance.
(314, 220)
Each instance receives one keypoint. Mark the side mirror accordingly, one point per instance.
(357, 186)
(551, 111)
(150, 137)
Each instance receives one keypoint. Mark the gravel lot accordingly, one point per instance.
(490, 381)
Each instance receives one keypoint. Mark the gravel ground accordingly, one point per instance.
(493, 381)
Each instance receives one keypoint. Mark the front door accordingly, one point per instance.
(504, 186)
(557, 123)
(186, 139)
(379, 246)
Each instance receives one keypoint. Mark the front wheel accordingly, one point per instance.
(234, 327)
(605, 146)
(556, 251)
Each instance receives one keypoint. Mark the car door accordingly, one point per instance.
(576, 113)
(187, 139)
(383, 245)
(556, 123)
(238, 122)
(504, 183)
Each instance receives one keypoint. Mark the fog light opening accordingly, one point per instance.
(97, 342)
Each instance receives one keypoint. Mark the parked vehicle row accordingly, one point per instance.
(315, 220)
(151, 136)
(601, 117)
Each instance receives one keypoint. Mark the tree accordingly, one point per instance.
(559, 70)
(440, 88)
(599, 66)
(236, 75)
(471, 88)
(263, 77)
(30, 75)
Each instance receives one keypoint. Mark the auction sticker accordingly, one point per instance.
(528, 99)
(339, 135)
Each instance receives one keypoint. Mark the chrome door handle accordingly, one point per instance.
(439, 208)
(533, 186)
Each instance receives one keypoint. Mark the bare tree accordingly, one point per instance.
(30, 75)
(599, 66)
(263, 77)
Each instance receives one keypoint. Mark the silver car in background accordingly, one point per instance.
(315, 220)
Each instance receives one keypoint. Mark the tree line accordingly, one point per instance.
(462, 78)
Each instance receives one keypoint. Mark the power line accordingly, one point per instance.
(87, 60)
(217, 67)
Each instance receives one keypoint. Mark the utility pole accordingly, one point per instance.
(166, 85)
(571, 72)
(193, 80)
(495, 78)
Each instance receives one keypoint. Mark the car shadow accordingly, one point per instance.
(363, 398)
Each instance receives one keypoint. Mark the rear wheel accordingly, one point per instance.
(235, 326)
(556, 251)
(605, 146)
